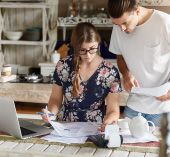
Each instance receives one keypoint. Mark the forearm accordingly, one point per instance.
(122, 65)
(111, 117)
(54, 106)
(56, 99)
(112, 108)
(128, 79)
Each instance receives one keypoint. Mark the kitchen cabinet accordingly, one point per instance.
(20, 16)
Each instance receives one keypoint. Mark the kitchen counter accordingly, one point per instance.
(26, 92)
(35, 92)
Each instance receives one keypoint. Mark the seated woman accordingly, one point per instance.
(85, 80)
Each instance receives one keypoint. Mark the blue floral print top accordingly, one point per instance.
(89, 105)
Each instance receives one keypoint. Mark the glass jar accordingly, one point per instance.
(78, 8)
(84, 9)
(91, 8)
(71, 9)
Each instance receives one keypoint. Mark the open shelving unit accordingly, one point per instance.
(9, 20)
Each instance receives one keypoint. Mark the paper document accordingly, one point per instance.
(156, 91)
(74, 132)
(74, 129)
(128, 138)
(54, 137)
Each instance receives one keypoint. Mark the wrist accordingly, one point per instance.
(111, 118)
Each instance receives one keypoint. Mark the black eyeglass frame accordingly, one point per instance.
(89, 51)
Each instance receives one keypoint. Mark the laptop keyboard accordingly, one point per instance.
(25, 131)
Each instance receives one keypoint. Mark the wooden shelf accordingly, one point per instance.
(22, 42)
(23, 5)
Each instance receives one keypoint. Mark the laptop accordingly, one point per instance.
(10, 124)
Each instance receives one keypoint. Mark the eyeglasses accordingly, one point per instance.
(91, 51)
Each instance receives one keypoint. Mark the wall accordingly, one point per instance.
(97, 4)
(100, 4)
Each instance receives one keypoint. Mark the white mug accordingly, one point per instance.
(123, 124)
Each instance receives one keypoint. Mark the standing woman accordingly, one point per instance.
(83, 81)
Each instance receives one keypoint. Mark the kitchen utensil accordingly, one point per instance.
(123, 125)
(13, 35)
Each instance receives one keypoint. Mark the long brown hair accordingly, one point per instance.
(83, 32)
(116, 8)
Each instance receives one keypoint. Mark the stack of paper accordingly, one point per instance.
(75, 132)
(55, 137)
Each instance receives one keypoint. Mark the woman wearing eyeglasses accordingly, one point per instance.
(83, 81)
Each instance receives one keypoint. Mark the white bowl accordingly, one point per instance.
(13, 35)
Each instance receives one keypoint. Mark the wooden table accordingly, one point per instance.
(16, 149)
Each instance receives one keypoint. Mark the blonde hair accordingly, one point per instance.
(83, 32)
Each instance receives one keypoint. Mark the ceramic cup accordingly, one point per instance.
(123, 124)
(6, 70)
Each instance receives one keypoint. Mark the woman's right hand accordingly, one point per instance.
(44, 116)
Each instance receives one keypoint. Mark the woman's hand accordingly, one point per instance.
(111, 118)
(112, 110)
(102, 127)
(44, 116)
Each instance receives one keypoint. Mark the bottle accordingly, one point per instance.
(78, 8)
(1, 61)
(84, 9)
(55, 57)
(91, 8)
(70, 8)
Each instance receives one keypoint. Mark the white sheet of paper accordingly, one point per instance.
(157, 91)
(74, 129)
(53, 137)
(128, 138)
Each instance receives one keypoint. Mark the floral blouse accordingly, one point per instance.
(89, 105)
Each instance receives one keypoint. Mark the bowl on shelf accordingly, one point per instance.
(13, 35)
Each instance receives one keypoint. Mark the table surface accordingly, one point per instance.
(8, 148)
(15, 149)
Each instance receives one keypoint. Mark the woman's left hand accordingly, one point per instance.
(101, 127)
